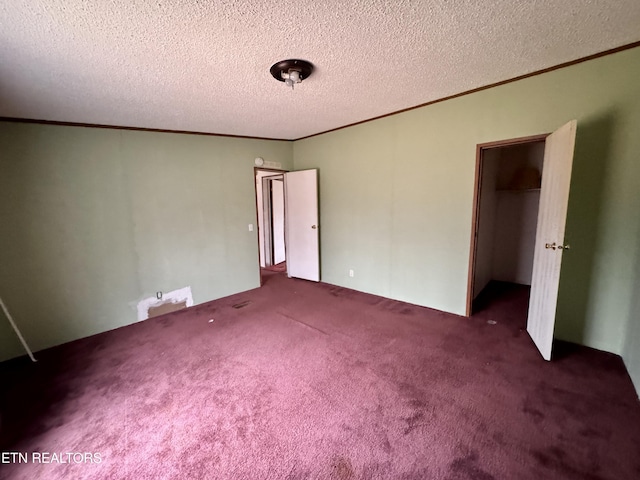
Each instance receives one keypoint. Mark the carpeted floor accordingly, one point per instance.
(297, 380)
(280, 267)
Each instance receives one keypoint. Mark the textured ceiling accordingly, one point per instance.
(203, 65)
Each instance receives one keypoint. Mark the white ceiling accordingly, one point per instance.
(203, 65)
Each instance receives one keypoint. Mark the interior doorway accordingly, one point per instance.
(270, 200)
(275, 250)
(288, 229)
(508, 187)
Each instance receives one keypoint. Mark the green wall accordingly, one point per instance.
(397, 195)
(95, 220)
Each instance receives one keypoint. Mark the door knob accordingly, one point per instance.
(553, 246)
(314, 227)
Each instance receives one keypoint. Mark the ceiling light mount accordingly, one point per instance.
(291, 71)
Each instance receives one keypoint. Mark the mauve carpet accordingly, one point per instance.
(312, 381)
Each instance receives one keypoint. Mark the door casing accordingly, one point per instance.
(480, 148)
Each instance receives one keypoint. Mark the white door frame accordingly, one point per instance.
(257, 183)
(268, 234)
(480, 148)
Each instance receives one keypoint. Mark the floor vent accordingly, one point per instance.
(242, 304)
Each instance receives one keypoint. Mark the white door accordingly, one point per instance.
(301, 216)
(550, 242)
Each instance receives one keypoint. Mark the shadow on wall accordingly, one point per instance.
(12, 242)
(588, 180)
(26, 252)
(9, 344)
(18, 420)
(631, 348)
(30, 264)
(14, 420)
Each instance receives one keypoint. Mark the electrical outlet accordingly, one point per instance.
(159, 295)
(351, 273)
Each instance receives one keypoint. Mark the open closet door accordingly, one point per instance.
(549, 245)
(301, 216)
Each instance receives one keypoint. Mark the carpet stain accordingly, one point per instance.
(417, 403)
(165, 321)
(420, 474)
(413, 422)
(298, 475)
(498, 437)
(241, 304)
(336, 291)
(466, 467)
(341, 469)
(589, 432)
(114, 362)
(555, 458)
(534, 413)
(386, 445)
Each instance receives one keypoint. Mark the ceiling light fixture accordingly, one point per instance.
(291, 71)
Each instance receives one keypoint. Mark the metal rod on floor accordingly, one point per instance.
(15, 327)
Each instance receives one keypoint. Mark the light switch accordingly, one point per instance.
(251, 227)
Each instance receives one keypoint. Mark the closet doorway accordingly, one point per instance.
(509, 182)
(519, 219)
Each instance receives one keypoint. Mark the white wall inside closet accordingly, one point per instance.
(508, 213)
